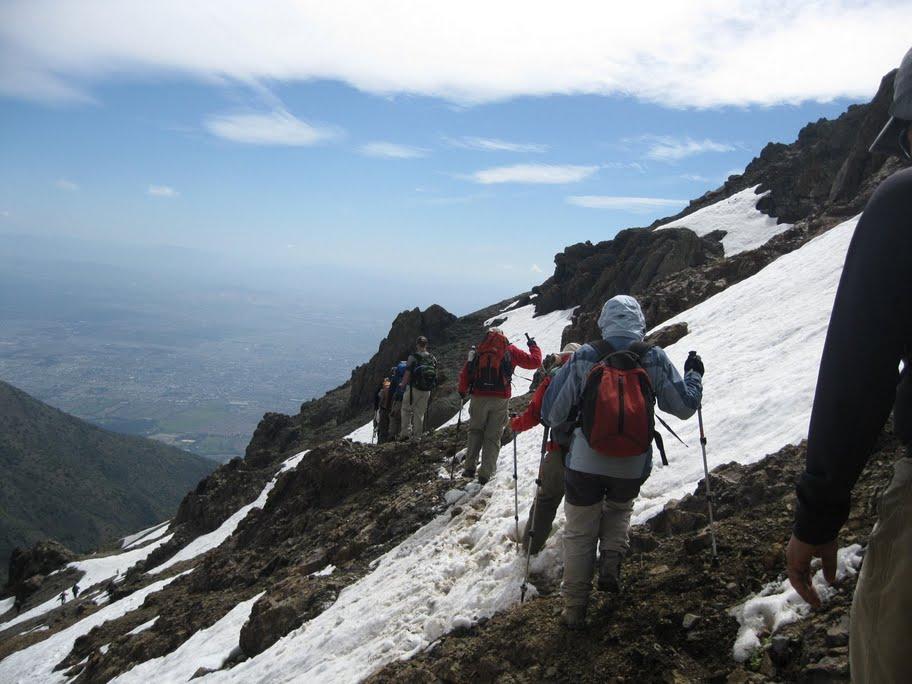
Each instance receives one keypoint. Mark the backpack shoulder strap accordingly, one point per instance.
(639, 348)
(602, 347)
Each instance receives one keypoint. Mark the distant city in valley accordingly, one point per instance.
(193, 362)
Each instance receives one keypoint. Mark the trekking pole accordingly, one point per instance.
(709, 505)
(515, 489)
(538, 484)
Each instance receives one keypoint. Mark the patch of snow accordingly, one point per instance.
(94, 571)
(101, 599)
(325, 572)
(7, 604)
(39, 628)
(761, 342)
(778, 604)
(207, 648)
(145, 536)
(746, 228)
(364, 434)
(36, 663)
(217, 537)
(143, 627)
(509, 306)
(104, 649)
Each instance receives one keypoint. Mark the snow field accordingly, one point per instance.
(143, 627)
(7, 604)
(145, 536)
(207, 648)
(95, 570)
(746, 227)
(778, 604)
(217, 537)
(761, 342)
(35, 664)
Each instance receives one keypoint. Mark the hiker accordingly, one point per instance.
(487, 378)
(109, 590)
(382, 401)
(17, 604)
(75, 591)
(419, 379)
(550, 491)
(397, 372)
(601, 487)
(870, 332)
(62, 597)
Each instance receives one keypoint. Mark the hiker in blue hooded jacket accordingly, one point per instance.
(601, 489)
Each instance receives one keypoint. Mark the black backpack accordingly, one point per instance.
(424, 374)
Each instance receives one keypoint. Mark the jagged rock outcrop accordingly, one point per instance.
(587, 274)
(27, 567)
(398, 344)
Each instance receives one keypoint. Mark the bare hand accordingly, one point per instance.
(798, 556)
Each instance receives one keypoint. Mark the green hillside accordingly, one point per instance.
(68, 480)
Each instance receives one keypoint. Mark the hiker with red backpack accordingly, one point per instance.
(487, 378)
(555, 443)
(609, 388)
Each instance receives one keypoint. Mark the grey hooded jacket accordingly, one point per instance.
(622, 323)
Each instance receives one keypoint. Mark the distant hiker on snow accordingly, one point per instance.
(397, 373)
(382, 401)
(551, 476)
(62, 597)
(870, 332)
(487, 378)
(611, 452)
(75, 591)
(419, 379)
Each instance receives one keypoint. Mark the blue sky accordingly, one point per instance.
(456, 170)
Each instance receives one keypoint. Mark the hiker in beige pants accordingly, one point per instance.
(487, 418)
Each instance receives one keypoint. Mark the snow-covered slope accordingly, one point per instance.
(761, 341)
(745, 227)
(36, 664)
(94, 571)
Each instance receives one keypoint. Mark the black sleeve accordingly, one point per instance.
(868, 332)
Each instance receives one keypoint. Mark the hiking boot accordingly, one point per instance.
(482, 480)
(468, 473)
(609, 575)
(574, 617)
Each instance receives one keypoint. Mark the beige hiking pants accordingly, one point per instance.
(487, 418)
(605, 525)
(414, 408)
(881, 627)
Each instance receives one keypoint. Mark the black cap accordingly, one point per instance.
(888, 141)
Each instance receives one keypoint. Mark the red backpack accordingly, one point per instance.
(617, 409)
(491, 368)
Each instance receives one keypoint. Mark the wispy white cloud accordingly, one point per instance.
(162, 191)
(710, 53)
(389, 150)
(534, 173)
(670, 149)
(276, 127)
(631, 204)
(469, 142)
(695, 177)
(4, 213)
(66, 184)
(625, 166)
(536, 269)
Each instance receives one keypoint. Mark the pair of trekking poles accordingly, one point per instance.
(538, 483)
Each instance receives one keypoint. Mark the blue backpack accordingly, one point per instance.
(397, 380)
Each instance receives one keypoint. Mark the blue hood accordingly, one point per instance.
(622, 317)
